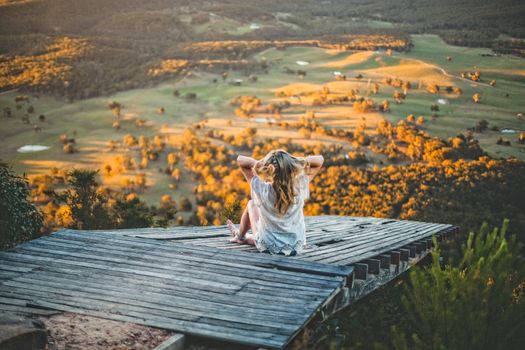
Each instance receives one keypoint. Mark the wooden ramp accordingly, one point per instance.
(191, 280)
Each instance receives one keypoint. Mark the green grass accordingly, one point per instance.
(92, 119)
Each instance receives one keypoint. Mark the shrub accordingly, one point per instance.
(477, 303)
(233, 211)
(19, 219)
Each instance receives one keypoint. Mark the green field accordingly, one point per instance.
(427, 62)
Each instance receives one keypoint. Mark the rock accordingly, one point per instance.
(21, 333)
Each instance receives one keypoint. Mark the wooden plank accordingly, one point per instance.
(372, 249)
(172, 272)
(380, 247)
(175, 342)
(268, 298)
(161, 256)
(167, 307)
(171, 262)
(265, 260)
(370, 239)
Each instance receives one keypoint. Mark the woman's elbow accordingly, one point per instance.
(241, 161)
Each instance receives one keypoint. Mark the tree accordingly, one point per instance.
(521, 138)
(69, 148)
(385, 106)
(185, 204)
(482, 125)
(131, 212)
(406, 86)
(20, 220)
(88, 205)
(116, 108)
(433, 88)
(375, 88)
(398, 96)
(476, 303)
(7, 112)
(172, 159)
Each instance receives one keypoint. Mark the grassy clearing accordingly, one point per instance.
(92, 118)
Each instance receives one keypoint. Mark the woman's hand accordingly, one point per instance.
(313, 165)
(246, 164)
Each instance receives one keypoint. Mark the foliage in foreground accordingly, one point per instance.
(87, 206)
(19, 219)
(478, 303)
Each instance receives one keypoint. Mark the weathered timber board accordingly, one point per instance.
(198, 290)
(336, 240)
(192, 280)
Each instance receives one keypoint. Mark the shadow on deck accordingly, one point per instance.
(191, 280)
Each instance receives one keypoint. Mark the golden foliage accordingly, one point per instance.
(41, 69)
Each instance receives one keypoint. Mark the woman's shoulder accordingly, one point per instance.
(257, 184)
(302, 179)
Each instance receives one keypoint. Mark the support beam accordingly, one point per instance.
(412, 250)
(360, 271)
(373, 266)
(405, 254)
(421, 247)
(395, 257)
(385, 261)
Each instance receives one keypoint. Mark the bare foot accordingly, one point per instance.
(231, 226)
(234, 231)
(236, 239)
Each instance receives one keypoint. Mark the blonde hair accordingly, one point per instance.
(281, 168)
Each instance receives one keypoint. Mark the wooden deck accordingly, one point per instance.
(191, 280)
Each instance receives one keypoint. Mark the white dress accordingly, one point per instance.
(280, 233)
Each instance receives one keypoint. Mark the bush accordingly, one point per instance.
(19, 220)
(233, 211)
(477, 303)
(132, 213)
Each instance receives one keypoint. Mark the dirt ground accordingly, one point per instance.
(74, 332)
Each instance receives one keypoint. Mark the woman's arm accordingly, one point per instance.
(314, 165)
(246, 164)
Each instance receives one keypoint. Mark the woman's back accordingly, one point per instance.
(276, 232)
(275, 212)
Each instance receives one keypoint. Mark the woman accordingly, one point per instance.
(279, 187)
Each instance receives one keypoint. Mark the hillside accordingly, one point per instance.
(128, 38)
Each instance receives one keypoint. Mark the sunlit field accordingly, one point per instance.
(91, 119)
